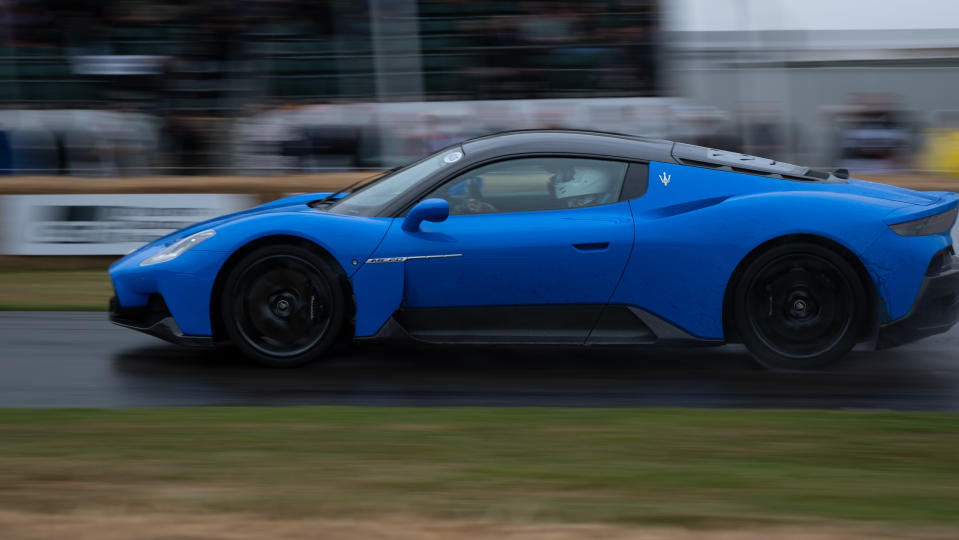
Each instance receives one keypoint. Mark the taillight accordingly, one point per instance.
(937, 224)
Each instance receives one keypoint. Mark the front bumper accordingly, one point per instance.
(935, 310)
(154, 319)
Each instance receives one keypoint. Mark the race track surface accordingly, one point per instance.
(81, 360)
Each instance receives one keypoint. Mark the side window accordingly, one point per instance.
(529, 184)
(637, 181)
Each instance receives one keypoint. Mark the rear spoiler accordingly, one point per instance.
(947, 201)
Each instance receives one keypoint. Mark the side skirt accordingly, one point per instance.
(579, 324)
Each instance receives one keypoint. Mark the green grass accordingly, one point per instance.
(689, 467)
(57, 290)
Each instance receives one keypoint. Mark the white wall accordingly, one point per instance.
(733, 15)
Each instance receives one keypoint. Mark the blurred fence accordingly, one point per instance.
(283, 140)
(341, 137)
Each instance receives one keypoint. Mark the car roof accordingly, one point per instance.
(569, 142)
(630, 147)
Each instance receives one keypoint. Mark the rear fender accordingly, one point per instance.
(682, 262)
(899, 263)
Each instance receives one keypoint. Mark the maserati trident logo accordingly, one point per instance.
(664, 178)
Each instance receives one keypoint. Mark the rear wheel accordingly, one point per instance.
(282, 306)
(799, 306)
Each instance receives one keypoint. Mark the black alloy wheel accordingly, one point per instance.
(799, 306)
(283, 306)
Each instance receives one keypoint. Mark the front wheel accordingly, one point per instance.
(282, 306)
(799, 306)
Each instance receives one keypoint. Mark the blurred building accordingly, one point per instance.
(854, 82)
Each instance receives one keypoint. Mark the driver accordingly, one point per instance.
(576, 187)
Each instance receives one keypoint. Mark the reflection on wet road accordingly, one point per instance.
(81, 360)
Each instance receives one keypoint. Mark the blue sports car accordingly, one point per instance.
(562, 237)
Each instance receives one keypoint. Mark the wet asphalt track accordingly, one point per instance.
(81, 360)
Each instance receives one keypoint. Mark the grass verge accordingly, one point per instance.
(700, 468)
(55, 290)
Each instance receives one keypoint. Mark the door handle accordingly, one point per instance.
(592, 246)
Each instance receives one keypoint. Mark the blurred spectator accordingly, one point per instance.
(874, 134)
(183, 145)
(6, 153)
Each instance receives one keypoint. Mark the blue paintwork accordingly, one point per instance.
(434, 210)
(186, 282)
(691, 235)
(522, 258)
(670, 252)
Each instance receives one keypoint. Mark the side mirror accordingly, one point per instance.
(428, 210)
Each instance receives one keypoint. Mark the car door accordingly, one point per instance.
(531, 252)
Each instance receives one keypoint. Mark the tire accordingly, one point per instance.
(799, 306)
(283, 305)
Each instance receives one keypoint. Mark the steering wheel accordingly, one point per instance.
(474, 203)
(474, 206)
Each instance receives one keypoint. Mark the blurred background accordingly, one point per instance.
(124, 120)
(104, 88)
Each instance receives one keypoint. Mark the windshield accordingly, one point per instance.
(370, 200)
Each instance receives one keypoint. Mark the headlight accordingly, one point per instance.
(937, 224)
(178, 248)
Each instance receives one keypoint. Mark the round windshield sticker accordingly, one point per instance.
(453, 157)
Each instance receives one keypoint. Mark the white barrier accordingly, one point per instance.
(102, 224)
